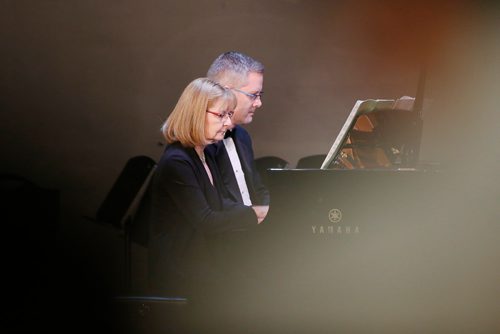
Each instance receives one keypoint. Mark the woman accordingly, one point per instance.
(190, 217)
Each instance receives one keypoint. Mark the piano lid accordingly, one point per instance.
(377, 134)
(380, 134)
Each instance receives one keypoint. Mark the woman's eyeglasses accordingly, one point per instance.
(222, 116)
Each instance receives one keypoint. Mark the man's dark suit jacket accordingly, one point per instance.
(259, 194)
(189, 221)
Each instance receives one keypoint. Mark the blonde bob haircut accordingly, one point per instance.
(186, 123)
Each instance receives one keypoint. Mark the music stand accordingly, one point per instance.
(121, 205)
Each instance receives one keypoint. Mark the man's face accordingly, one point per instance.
(243, 113)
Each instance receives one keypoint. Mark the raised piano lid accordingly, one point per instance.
(383, 109)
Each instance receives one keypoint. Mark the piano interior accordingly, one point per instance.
(387, 138)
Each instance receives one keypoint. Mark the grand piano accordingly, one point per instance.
(371, 174)
(354, 243)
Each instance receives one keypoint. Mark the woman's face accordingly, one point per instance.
(217, 121)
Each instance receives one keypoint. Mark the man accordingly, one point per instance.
(244, 76)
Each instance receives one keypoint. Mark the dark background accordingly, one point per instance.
(85, 85)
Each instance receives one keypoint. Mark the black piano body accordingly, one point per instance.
(352, 227)
(374, 251)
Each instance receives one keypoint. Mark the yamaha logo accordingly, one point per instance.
(338, 230)
(335, 215)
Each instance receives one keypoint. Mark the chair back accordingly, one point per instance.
(311, 161)
(265, 162)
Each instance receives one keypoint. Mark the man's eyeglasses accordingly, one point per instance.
(222, 116)
(252, 97)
